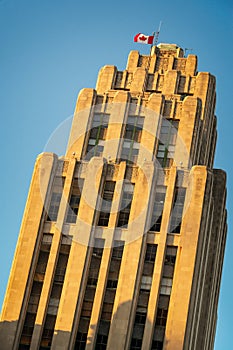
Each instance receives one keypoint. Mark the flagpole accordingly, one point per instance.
(156, 37)
(152, 43)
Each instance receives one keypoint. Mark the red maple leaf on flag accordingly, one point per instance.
(143, 38)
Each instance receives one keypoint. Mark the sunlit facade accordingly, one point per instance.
(122, 240)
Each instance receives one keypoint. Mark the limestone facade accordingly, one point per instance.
(122, 239)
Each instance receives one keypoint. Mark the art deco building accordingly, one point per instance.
(122, 240)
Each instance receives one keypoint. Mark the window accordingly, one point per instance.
(148, 267)
(36, 290)
(46, 241)
(132, 139)
(150, 253)
(95, 265)
(56, 198)
(109, 295)
(170, 257)
(168, 270)
(166, 286)
(28, 326)
(101, 342)
(136, 344)
(109, 188)
(62, 263)
(104, 327)
(143, 298)
(53, 306)
(146, 282)
(117, 252)
(112, 284)
(92, 281)
(114, 268)
(54, 206)
(126, 201)
(87, 309)
(81, 340)
(34, 297)
(97, 135)
(164, 297)
(157, 345)
(169, 263)
(140, 317)
(54, 298)
(42, 264)
(161, 318)
(89, 295)
(167, 142)
(177, 210)
(47, 334)
(119, 77)
(55, 295)
(74, 201)
(107, 311)
(163, 302)
(157, 213)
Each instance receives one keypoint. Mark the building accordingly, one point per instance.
(122, 240)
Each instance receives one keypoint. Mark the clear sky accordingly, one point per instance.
(52, 49)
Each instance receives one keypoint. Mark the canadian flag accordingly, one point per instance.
(144, 39)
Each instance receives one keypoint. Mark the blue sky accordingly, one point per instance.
(52, 49)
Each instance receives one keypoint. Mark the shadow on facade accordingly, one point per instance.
(7, 334)
(113, 334)
(97, 336)
(117, 334)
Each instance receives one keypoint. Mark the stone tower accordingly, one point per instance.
(122, 240)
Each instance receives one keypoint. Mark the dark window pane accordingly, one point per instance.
(80, 342)
(74, 201)
(150, 252)
(167, 142)
(106, 203)
(97, 135)
(132, 137)
(177, 210)
(123, 216)
(157, 213)
(110, 292)
(89, 296)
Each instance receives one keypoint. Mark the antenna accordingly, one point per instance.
(157, 33)
(187, 49)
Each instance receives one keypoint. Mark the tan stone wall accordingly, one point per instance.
(163, 83)
(24, 259)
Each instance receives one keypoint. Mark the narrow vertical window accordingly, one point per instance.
(37, 285)
(177, 210)
(143, 298)
(27, 331)
(87, 305)
(164, 298)
(56, 291)
(109, 296)
(167, 142)
(123, 217)
(132, 139)
(157, 214)
(56, 198)
(97, 135)
(106, 204)
(74, 201)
